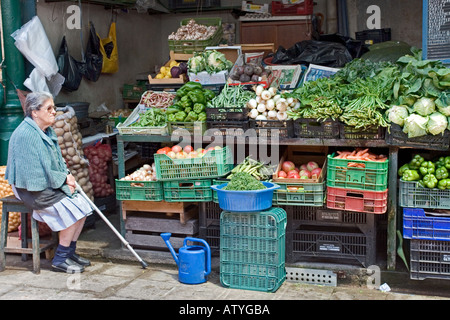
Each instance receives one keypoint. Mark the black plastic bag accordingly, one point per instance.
(328, 54)
(93, 59)
(68, 68)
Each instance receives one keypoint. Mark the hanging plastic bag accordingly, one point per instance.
(93, 60)
(108, 48)
(31, 40)
(68, 68)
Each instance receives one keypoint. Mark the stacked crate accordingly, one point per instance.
(426, 223)
(170, 204)
(252, 249)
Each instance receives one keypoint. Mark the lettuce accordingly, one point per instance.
(424, 106)
(398, 114)
(415, 125)
(437, 123)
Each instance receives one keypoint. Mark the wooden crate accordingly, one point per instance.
(144, 230)
(185, 210)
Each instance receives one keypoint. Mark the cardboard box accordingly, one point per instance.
(287, 76)
(302, 155)
(231, 53)
(315, 72)
(249, 6)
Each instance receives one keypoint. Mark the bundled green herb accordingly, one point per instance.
(153, 117)
(243, 181)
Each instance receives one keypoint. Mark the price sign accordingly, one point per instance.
(436, 30)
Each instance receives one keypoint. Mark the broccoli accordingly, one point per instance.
(243, 181)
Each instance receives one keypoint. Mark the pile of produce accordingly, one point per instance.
(193, 31)
(161, 100)
(5, 191)
(248, 72)
(177, 152)
(99, 155)
(429, 174)
(412, 93)
(243, 181)
(173, 70)
(258, 170)
(152, 117)
(231, 99)
(211, 61)
(360, 154)
(145, 173)
(70, 142)
(270, 105)
(189, 104)
(309, 170)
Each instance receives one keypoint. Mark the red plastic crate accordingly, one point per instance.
(357, 200)
(304, 8)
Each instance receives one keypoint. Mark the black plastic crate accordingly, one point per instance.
(211, 234)
(331, 244)
(273, 128)
(374, 35)
(188, 4)
(227, 113)
(396, 137)
(311, 128)
(429, 259)
(227, 128)
(209, 213)
(374, 133)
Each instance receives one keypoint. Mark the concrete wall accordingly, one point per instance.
(142, 37)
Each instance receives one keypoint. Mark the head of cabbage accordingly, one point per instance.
(415, 125)
(443, 103)
(424, 106)
(398, 114)
(437, 123)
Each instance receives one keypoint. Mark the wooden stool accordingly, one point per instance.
(12, 204)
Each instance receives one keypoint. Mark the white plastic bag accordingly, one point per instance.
(31, 40)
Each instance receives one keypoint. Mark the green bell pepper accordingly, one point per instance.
(209, 94)
(202, 116)
(197, 96)
(199, 107)
(180, 116)
(188, 86)
(441, 173)
(440, 162)
(403, 168)
(187, 110)
(427, 167)
(430, 181)
(411, 175)
(185, 102)
(191, 117)
(173, 109)
(416, 161)
(171, 117)
(447, 162)
(444, 184)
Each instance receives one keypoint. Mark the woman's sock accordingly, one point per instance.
(61, 254)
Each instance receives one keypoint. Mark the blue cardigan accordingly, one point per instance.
(35, 161)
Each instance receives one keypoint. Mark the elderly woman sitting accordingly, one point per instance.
(40, 178)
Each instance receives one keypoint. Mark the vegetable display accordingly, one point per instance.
(429, 174)
(248, 72)
(270, 105)
(289, 170)
(145, 173)
(152, 117)
(211, 61)
(177, 152)
(190, 103)
(258, 170)
(231, 99)
(174, 70)
(244, 181)
(193, 31)
(360, 154)
(99, 155)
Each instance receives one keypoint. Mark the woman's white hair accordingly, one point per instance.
(35, 100)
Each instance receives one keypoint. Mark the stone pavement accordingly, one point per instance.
(116, 275)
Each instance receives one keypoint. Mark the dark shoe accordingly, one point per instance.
(68, 266)
(80, 260)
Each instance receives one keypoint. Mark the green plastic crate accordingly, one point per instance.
(252, 249)
(191, 46)
(188, 190)
(373, 177)
(213, 164)
(217, 182)
(307, 194)
(139, 190)
(413, 195)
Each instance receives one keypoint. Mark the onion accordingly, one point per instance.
(266, 95)
(261, 107)
(270, 104)
(259, 89)
(252, 104)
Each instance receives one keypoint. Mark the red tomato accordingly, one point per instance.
(188, 149)
(176, 148)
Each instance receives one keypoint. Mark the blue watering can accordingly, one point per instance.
(194, 262)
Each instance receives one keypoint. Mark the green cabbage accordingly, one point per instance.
(398, 114)
(424, 106)
(415, 125)
(437, 123)
(443, 103)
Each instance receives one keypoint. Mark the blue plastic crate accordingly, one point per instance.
(245, 201)
(418, 224)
